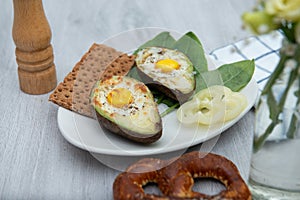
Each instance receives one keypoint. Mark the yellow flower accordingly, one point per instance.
(286, 9)
(259, 22)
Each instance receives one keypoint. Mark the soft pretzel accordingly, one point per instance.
(175, 178)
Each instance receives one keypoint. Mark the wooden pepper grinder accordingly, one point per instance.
(34, 53)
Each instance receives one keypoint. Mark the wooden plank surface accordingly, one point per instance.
(36, 162)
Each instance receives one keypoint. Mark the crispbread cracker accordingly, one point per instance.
(119, 67)
(99, 62)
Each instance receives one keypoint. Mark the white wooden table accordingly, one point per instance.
(36, 162)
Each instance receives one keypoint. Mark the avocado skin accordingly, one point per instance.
(125, 133)
(173, 94)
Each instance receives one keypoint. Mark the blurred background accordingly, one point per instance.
(77, 24)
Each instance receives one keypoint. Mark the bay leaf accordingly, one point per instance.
(238, 74)
(234, 76)
(163, 39)
(191, 46)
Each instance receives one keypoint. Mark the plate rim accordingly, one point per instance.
(151, 151)
(116, 152)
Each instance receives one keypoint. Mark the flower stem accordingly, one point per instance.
(291, 133)
(276, 108)
(274, 76)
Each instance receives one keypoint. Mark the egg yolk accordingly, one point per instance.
(119, 97)
(167, 65)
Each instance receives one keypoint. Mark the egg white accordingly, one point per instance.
(140, 102)
(141, 115)
(180, 79)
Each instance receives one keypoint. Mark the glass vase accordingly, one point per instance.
(275, 164)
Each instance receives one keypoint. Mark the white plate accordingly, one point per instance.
(87, 134)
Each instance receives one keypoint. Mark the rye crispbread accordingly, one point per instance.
(100, 62)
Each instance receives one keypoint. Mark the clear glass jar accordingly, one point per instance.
(275, 164)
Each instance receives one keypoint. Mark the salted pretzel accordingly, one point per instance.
(175, 178)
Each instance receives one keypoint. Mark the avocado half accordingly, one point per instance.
(131, 135)
(167, 70)
(172, 93)
(132, 114)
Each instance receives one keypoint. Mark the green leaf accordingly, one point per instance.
(234, 76)
(193, 36)
(237, 75)
(170, 109)
(168, 101)
(190, 45)
(134, 74)
(160, 98)
(164, 39)
(207, 79)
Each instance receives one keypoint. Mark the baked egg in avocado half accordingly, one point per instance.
(126, 107)
(169, 71)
